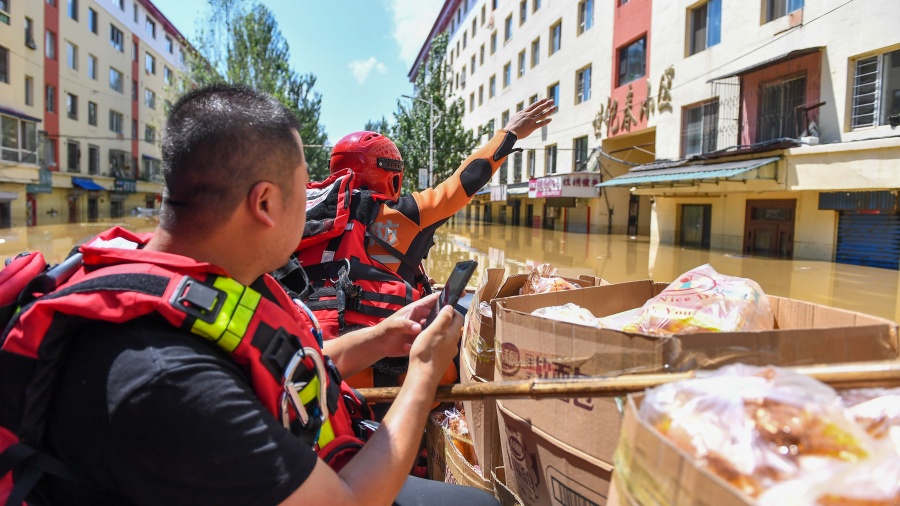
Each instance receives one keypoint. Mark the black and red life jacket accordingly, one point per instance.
(265, 332)
(347, 288)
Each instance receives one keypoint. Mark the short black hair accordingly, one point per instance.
(219, 140)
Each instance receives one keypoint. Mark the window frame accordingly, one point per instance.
(582, 96)
(624, 50)
(712, 29)
(507, 75)
(551, 157)
(555, 95)
(24, 131)
(71, 56)
(883, 91)
(92, 113)
(72, 106)
(50, 42)
(535, 52)
(707, 144)
(116, 38)
(73, 158)
(576, 150)
(116, 117)
(507, 28)
(121, 78)
(557, 27)
(585, 15)
(93, 21)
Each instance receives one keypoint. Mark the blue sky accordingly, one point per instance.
(359, 50)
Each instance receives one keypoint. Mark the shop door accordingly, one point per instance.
(30, 210)
(529, 215)
(872, 240)
(73, 210)
(487, 213)
(93, 210)
(769, 228)
(634, 205)
(5, 213)
(516, 212)
(695, 220)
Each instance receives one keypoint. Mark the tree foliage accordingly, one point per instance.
(452, 142)
(241, 43)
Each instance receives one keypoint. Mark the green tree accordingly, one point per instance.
(381, 126)
(241, 43)
(452, 142)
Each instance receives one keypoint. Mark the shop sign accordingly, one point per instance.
(44, 185)
(565, 185)
(621, 120)
(125, 185)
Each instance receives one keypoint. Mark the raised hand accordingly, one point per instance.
(526, 121)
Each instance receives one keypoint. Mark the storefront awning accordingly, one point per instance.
(797, 53)
(517, 191)
(86, 183)
(697, 173)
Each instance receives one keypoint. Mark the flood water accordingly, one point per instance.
(613, 258)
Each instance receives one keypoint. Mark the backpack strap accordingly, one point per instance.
(33, 464)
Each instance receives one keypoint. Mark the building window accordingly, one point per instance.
(73, 153)
(504, 171)
(149, 134)
(472, 65)
(152, 170)
(73, 9)
(535, 52)
(586, 15)
(149, 98)
(508, 25)
(72, 55)
(535, 5)
(480, 95)
(19, 142)
(492, 86)
(550, 159)
(481, 55)
(29, 34)
(116, 38)
(876, 90)
(167, 75)
(474, 26)
(50, 43)
(29, 89)
(134, 129)
(462, 78)
(504, 118)
(493, 42)
(50, 98)
(778, 102)
(553, 93)
(92, 114)
(706, 26)
(4, 65)
(489, 127)
(583, 85)
(520, 106)
(517, 166)
(150, 27)
(555, 37)
(471, 101)
(115, 80)
(522, 63)
(523, 11)
(134, 90)
(120, 3)
(115, 122)
(507, 74)
(4, 11)
(699, 128)
(632, 61)
(50, 152)
(134, 51)
(778, 8)
(170, 45)
(71, 106)
(579, 154)
(119, 163)
(93, 159)
(465, 39)
(532, 99)
(532, 165)
(135, 17)
(92, 67)
(92, 21)
(622, 2)
(149, 63)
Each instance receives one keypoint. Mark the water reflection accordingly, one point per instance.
(614, 258)
(618, 258)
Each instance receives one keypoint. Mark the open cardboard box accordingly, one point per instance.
(534, 347)
(477, 359)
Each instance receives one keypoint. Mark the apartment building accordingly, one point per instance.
(84, 86)
(761, 128)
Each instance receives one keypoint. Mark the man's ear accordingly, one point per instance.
(261, 200)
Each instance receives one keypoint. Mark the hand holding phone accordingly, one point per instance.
(453, 289)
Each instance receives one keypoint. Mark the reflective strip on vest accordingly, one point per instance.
(308, 394)
(234, 318)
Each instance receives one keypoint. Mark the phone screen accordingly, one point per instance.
(454, 288)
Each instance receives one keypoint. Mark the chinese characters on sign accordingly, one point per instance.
(565, 185)
(608, 114)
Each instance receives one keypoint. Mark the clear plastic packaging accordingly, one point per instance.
(702, 300)
(543, 279)
(751, 426)
(569, 312)
(877, 410)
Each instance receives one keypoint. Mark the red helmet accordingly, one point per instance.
(374, 159)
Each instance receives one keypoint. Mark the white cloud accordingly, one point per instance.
(413, 20)
(362, 68)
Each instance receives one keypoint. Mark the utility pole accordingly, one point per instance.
(431, 126)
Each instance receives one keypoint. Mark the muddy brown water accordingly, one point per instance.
(613, 258)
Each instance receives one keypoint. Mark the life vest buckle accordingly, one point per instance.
(292, 389)
(198, 300)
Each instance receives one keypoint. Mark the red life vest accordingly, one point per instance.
(348, 289)
(266, 333)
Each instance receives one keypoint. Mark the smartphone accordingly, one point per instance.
(454, 288)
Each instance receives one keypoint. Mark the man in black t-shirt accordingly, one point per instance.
(146, 413)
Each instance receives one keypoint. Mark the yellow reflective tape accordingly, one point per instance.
(310, 391)
(234, 318)
(326, 434)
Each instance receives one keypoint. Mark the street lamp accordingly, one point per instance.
(431, 126)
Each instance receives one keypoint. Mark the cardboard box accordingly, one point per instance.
(503, 494)
(477, 359)
(459, 469)
(434, 443)
(651, 470)
(534, 347)
(544, 471)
